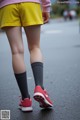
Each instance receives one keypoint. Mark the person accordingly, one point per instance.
(29, 14)
(72, 14)
(65, 14)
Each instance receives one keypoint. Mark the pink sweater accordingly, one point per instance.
(45, 3)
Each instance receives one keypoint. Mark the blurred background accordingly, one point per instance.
(69, 9)
(60, 45)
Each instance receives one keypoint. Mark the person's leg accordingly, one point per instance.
(33, 37)
(36, 59)
(14, 35)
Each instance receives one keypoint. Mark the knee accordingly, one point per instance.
(18, 51)
(34, 49)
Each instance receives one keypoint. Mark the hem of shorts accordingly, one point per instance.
(31, 24)
(9, 25)
(24, 24)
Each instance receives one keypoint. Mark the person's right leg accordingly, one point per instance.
(14, 35)
(33, 37)
(36, 58)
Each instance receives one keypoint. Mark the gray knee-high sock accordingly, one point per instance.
(22, 83)
(37, 68)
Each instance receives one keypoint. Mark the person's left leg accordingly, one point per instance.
(14, 35)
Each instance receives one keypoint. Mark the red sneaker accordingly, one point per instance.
(26, 105)
(42, 97)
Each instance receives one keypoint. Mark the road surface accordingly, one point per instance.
(60, 44)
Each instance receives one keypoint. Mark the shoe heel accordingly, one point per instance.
(27, 109)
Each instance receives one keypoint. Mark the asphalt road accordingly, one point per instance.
(60, 44)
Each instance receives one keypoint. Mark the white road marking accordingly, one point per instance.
(52, 31)
(29, 78)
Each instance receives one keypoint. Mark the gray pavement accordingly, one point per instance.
(60, 44)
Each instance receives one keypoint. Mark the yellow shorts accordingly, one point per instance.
(21, 14)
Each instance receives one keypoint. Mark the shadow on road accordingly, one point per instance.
(47, 114)
(43, 114)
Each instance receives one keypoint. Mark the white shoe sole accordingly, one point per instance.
(39, 97)
(26, 109)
